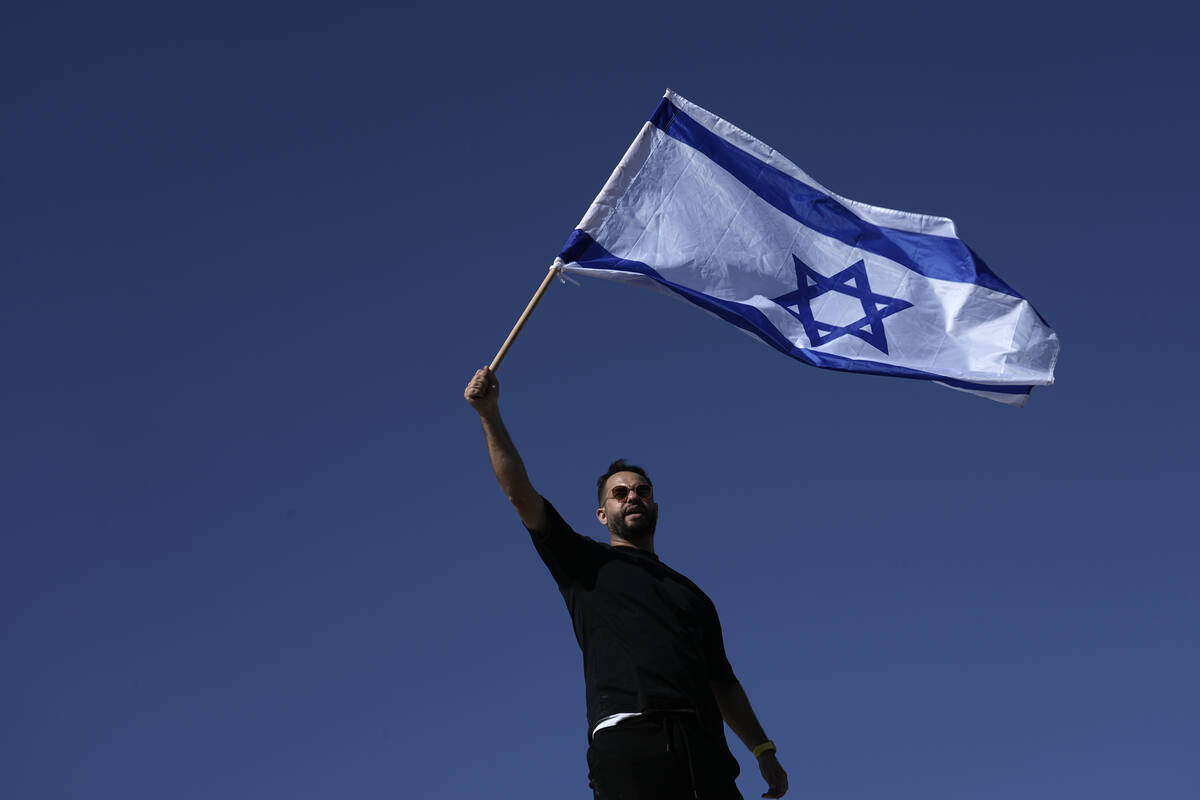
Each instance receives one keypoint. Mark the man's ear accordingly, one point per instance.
(601, 516)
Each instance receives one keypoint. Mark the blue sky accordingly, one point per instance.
(252, 544)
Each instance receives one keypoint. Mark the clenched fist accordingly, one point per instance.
(483, 391)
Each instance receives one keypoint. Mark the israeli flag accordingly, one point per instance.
(704, 212)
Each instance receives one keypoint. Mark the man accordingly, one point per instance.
(658, 681)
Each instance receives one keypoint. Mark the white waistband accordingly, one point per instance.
(613, 719)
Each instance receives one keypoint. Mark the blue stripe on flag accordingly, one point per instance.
(941, 257)
(583, 250)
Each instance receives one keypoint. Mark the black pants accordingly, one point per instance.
(661, 757)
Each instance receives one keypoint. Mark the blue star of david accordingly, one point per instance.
(852, 282)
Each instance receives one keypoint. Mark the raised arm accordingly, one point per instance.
(737, 713)
(483, 393)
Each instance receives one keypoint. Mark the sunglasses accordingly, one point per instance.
(642, 490)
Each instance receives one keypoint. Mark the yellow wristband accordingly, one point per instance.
(765, 747)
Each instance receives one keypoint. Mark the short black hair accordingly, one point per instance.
(618, 466)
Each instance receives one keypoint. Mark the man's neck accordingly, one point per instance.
(644, 543)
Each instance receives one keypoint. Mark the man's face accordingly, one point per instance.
(629, 510)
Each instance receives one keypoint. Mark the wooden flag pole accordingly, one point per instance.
(512, 336)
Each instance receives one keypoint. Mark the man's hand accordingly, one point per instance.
(773, 774)
(483, 391)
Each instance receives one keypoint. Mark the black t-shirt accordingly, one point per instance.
(651, 640)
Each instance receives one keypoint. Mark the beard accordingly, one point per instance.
(638, 530)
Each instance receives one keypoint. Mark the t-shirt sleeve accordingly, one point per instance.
(719, 669)
(571, 558)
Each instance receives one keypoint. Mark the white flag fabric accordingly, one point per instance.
(704, 212)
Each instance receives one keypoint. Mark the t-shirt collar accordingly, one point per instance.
(635, 551)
